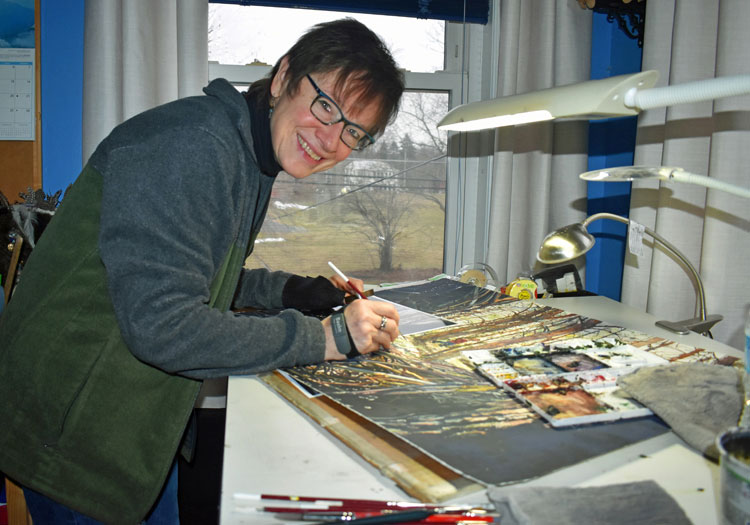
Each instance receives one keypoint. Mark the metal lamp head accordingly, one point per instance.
(629, 173)
(664, 173)
(565, 244)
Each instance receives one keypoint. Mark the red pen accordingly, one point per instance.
(345, 278)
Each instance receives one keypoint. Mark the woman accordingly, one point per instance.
(122, 309)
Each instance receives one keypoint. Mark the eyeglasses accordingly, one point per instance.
(329, 113)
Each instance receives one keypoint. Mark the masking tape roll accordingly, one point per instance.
(475, 277)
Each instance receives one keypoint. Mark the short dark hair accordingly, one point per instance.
(359, 58)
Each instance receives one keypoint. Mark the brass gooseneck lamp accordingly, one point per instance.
(574, 240)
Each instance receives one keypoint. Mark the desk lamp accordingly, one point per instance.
(574, 240)
(666, 173)
(619, 96)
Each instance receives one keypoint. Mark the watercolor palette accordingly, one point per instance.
(569, 382)
(576, 398)
(567, 356)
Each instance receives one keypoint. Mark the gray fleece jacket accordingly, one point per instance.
(181, 184)
(123, 304)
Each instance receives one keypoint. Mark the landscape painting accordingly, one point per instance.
(426, 391)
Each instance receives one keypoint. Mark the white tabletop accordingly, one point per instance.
(273, 448)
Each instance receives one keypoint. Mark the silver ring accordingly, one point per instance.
(383, 321)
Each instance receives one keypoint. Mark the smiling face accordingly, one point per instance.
(302, 144)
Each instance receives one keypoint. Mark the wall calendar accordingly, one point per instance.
(17, 94)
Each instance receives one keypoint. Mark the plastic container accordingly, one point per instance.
(734, 461)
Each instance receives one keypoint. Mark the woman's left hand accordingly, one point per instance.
(341, 284)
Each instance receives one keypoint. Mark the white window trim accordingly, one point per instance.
(474, 52)
(246, 75)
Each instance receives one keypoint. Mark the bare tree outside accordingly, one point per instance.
(381, 215)
(421, 141)
(420, 112)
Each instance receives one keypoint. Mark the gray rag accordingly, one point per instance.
(642, 502)
(698, 401)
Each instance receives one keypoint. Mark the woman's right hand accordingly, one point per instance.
(372, 325)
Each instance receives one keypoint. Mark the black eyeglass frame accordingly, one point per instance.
(322, 94)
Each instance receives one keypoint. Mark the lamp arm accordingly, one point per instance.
(697, 91)
(681, 175)
(666, 244)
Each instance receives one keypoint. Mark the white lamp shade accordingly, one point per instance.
(604, 98)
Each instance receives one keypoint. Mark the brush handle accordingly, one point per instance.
(346, 279)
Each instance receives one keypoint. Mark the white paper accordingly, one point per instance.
(635, 238)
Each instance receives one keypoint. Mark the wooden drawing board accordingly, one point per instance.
(415, 472)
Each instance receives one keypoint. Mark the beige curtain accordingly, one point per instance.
(535, 185)
(139, 54)
(688, 41)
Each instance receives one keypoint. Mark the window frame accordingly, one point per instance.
(466, 198)
(474, 11)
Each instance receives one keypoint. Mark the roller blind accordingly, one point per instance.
(473, 11)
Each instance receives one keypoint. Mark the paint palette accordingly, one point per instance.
(574, 355)
(575, 362)
(576, 398)
(569, 382)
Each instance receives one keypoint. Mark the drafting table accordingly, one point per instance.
(273, 448)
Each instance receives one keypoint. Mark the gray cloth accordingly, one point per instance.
(698, 401)
(642, 502)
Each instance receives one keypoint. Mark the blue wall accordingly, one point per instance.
(611, 143)
(62, 92)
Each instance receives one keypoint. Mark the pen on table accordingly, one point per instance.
(394, 517)
(348, 502)
(345, 278)
(338, 517)
(308, 507)
(334, 504)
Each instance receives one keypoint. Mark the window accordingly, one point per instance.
(379, 215)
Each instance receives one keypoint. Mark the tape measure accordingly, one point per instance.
(521, 288)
